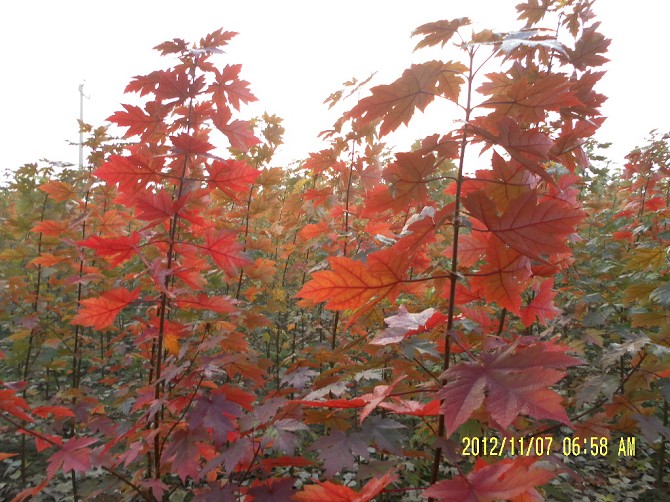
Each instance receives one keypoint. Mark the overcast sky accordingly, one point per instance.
(294, 53)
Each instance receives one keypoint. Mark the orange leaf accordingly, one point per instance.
(100, 312)
(351, 284)
(115, 249)
(50, 227)
(326, 491)
(415, 89)
(137, 121)
(59, 190)
(226, 251)
(408, 177)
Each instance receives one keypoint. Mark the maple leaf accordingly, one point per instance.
(132, 173)
(73, 456)
(413, 408)
(239, 132)
(379, 393)
(155, 486)
(471, 248)
(138, 122)
(541, 306)
(404, 324)
(14, 405)
(229, 89)
(588, 49)
(283, 438)
(226, 251)
(386, 433)
(532, 11)
(216, 413)
(502, 480)
(184, 454)
(48, 260)
(50, 227)
(415, 89)
(216, 39)
(351, 285)
(177, 86)
(337, 450)
(529, 227)
(233, 177)
(529, 147)
(313, 230)
(272, 490)
(220, 304)
(331, 492)
(58, 411)
(503, 277)
(185, 144)
(408, 177)
(510, 381)
(438, 32)
(100, 312)
(335, 403)
(215, 492)
(325, 490)
(158, 206)
(528, 101)
(59, 190)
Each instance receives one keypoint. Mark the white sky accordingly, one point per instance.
(294, 53)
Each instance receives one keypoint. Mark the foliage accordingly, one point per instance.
(186, 320)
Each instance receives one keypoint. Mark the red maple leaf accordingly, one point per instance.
(73, 456)
(415, 89)
(541, 306)
(439, 32)
(51, 227)
(100, 312)
(233, 177)
(527, 100)
(503, 277)
(407, 177)
(240, 133)
(226, 251)
(404, 324)
(378, 394)
(132, 173)
(530, 147)
(531, 228)
(589, 49)
(413, 408)
(504, 480)
(330, 492)
(158, 206)
(352, 285)
(228, 88)
(184, 453)
(14, 405)
(138, 122)
(115, 249)
(510, 381)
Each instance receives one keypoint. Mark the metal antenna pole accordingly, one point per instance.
(81, 121)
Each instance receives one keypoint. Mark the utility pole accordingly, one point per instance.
(81, 121)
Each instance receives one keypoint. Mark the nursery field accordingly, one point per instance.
(483, 317)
